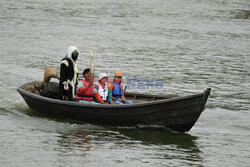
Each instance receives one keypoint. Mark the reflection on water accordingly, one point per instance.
(143, 142)
(79, 140)
(241, 14)
(160, 137)
(183, 145)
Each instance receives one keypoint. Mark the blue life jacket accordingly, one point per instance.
(117, 92)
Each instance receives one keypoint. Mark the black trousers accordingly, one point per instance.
(65, 95)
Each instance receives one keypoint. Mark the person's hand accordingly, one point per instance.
(66, 86)
(123, 99)
(91, 83)
(119, 100)
(111, 102)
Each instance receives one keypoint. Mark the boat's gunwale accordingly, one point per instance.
(57, 101)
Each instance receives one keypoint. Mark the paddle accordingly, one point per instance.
(92, 65)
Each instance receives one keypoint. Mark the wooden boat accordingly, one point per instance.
(176, 113)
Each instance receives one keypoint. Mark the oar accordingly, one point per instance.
(92, 65)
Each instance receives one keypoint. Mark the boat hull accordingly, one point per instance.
(178, 114)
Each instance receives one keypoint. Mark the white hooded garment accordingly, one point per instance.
(70, 50)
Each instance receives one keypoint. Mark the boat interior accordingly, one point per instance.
(135, 97)
(140, 98)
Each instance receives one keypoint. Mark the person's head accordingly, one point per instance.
(73, 52)
(86, 74)
(118, 78)
(102, 78)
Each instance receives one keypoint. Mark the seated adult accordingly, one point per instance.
(103, 89)
(85, 89)
(117, 90)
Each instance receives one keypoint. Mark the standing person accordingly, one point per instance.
(117, 90)
(103, 89)
(85, 89)
(68, 74)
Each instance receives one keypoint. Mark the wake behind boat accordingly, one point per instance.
(176, 113)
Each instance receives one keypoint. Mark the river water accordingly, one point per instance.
(189, 45)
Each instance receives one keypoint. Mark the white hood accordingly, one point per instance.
(102, 75)
(71, 49)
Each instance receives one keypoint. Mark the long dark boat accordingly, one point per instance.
(176, 113)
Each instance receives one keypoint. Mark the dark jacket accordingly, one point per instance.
(66, 73)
